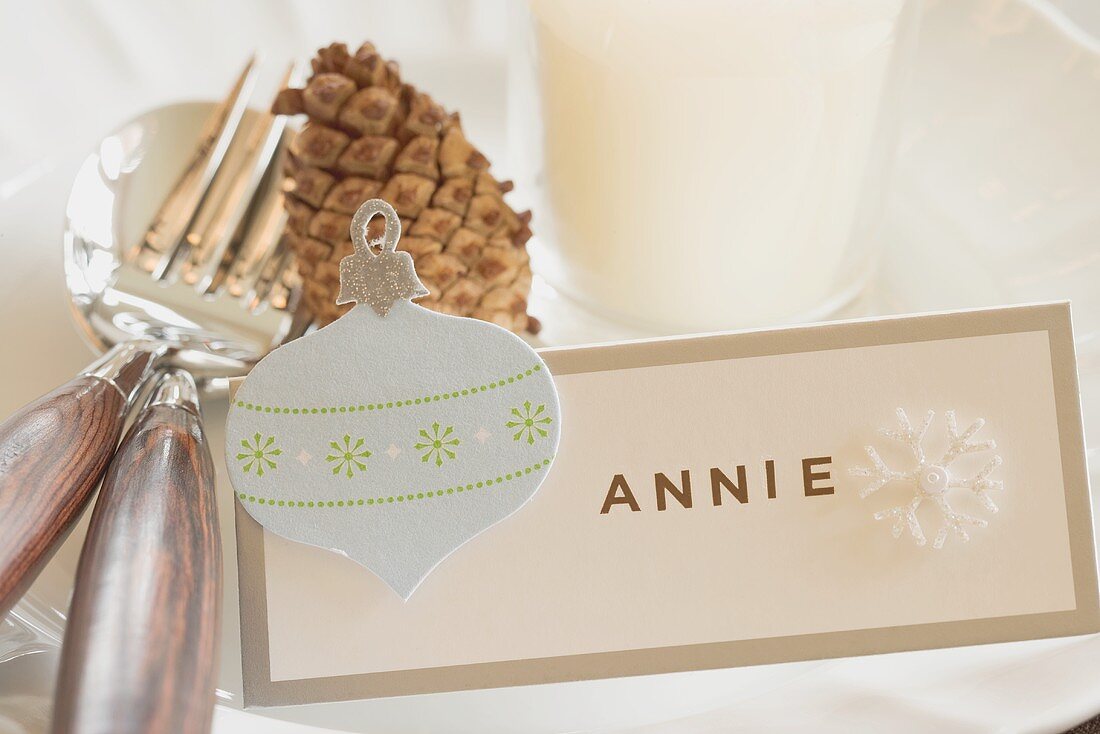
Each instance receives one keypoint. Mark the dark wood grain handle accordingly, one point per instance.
(140, 646)
(53, 453)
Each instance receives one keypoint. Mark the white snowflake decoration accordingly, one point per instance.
(931, 480)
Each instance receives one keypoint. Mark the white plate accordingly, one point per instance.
(996, 200)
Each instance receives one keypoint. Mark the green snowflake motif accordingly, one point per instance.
(435, 444)
(258, 455)
(530, 423)
(347, 456)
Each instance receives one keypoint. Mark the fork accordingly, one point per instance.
(208, 289)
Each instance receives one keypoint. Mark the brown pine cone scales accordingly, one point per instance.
(371, 135)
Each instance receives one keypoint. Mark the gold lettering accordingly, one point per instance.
(665, 486)
(618, 484)
(719, 481)
(769, 476)
(809, 476)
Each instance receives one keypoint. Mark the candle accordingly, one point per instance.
(706, 165)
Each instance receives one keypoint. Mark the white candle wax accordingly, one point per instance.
(702, 165)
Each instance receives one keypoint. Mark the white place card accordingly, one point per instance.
(701, 512)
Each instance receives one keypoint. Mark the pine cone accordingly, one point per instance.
(370, 135)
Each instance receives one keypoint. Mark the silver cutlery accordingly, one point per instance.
(208, 289)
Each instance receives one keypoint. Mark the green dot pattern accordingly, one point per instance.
(405, 497)
(389, 404)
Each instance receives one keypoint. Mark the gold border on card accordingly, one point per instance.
(1053, 318)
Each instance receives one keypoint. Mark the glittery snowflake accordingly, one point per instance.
(931, 480)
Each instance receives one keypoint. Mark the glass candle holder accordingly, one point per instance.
(702, 165)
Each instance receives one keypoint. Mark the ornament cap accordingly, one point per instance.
(381, 278)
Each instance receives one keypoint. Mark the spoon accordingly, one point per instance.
(209, 299)
(140, 646)
(213, 313)
(204, 298)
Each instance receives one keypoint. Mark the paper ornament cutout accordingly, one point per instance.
(395, 434)
(931, 480)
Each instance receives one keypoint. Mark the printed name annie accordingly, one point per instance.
(815, 475)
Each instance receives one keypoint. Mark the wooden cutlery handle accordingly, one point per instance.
(52, 455)
(140, 645)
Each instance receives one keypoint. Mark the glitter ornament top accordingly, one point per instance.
(381, 278)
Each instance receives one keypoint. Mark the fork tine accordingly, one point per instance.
(215, 237)
(258, 267)
(157, 249)
(286, 287)
(213, 241)
(300, 323)
(270, 276)
(242, 260)
(257, 235)
(259, 242)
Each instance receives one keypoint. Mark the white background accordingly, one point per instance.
(71, 71)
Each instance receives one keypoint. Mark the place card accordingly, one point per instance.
(724, 500)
